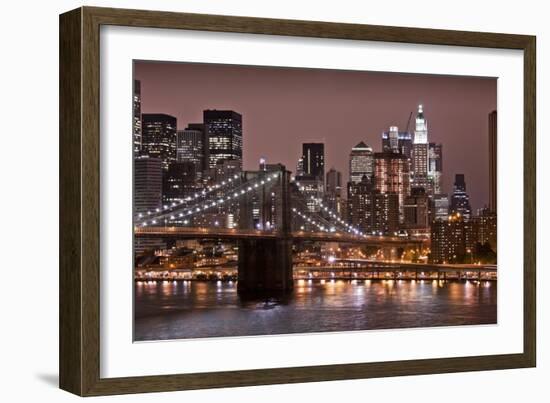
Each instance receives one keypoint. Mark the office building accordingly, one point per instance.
(361, 163)
(333, 194)
(224, 130)
(191, 147)
(313, 160)
(460, 200)
(159, 137)
(391, 175)
(404, 142)
(147, 185)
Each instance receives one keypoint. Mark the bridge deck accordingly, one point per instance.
(227, 233)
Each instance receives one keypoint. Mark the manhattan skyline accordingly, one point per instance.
(282, 107)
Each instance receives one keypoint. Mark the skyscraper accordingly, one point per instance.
(460, 201)
(439, 207)
(391, 175)
(420, 151)
(313, 160)
(136, 106)
(435, 168)
(179, 182)
(333, 194)
(147, 184)
(361, 163)
(493, 161)
(159, 137)
(190, 147)
(224, 130)
(360, 204)
(404, 142)
(417, 209)
(448, 240)
(385, 213)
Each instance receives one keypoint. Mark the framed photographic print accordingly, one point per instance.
(250, 201)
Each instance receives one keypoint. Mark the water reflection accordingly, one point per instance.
(189, 309)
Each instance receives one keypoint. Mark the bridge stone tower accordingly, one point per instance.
(265, 264)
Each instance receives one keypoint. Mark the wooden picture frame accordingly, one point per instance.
(80, 185)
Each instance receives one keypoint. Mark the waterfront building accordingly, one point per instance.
(224, 130)
(361, 163)
(159, 137)
(460, 200)
(136, 124)
(448, 240)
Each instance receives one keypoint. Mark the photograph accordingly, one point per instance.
(272, 200)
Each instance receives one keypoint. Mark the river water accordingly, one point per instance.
(175, 310)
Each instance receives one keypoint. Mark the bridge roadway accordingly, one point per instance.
(236, 234)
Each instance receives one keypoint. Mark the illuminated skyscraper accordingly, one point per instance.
(391, 175)
(420, 152)
(159, 137)
(404, 142)
(361, 163)
(136, 105)
(224, 130)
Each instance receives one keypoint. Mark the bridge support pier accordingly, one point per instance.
(265, 266)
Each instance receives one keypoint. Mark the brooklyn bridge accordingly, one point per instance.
(273, 212)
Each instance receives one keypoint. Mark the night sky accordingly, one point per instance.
(284, 107)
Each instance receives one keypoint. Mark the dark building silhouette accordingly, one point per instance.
(313, 160)
(385, 214)
(460, 201)
(179, 182)
(417, 207)
(136, 126)
(493, 161)
(147, 185)
(333, 194)
(159, 137)
(360, 204)
(224, 130)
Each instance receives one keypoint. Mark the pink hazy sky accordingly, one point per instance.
(284, 107)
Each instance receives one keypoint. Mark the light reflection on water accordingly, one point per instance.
(190, 309)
